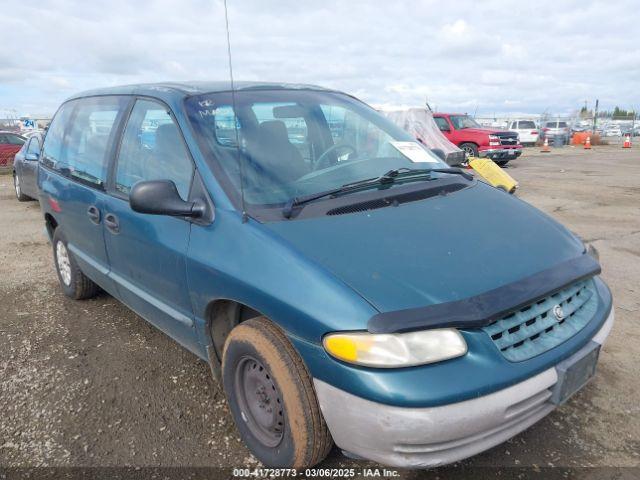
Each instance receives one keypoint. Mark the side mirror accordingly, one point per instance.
(438, 152)
(32, 157)
(161, 197)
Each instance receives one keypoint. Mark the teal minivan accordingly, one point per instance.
(343, 283)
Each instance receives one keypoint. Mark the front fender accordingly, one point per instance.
(249, 264)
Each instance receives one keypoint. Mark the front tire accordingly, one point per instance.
(74, 283)
(17, 186)
(470, 149)
(271, 397)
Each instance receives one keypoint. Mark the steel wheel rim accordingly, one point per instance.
(260, 402)
(16, 184)
(63, 262)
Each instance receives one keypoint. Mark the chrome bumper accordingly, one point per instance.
(501, 152)
(428, 437)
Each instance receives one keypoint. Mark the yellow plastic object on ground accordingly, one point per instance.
(493, 174)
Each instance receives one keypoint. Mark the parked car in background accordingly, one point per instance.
(25, 168)
(555, 129)
(10, 143)
(478, 141)
(613, 131)
(527, 131)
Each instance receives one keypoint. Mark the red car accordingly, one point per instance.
(10, 143)
(478, 141)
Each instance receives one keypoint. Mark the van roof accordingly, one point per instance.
(185, 89)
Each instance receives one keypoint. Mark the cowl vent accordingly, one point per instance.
(397, 199)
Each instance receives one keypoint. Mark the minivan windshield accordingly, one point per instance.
(290, 143)
(461, 122)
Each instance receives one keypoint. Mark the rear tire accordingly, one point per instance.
(74, 283)
(18, 189)
(470, 149)
(502, 163)
(271, 397)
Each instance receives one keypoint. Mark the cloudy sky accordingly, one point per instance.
(464, 55)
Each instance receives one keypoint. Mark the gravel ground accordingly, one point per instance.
(91, 384)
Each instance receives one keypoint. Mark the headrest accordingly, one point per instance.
(275, 129)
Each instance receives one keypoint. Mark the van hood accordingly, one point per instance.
(437, 250)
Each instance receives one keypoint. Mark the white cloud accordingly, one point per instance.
(497, 56)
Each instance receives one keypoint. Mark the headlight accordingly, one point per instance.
(397, 349)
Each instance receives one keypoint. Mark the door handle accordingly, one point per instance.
(112, 223)
(94, 214)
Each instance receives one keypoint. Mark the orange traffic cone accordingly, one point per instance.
(627, 141)
(587, 144)
(545, 146)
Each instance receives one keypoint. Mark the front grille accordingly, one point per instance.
(535, 329)
(508, 138)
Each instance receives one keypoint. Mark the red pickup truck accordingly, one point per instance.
(478, 141)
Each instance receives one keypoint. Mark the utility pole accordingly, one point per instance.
(595, 116)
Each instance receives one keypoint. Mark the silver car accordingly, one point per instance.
(25, 169)
(554, 129)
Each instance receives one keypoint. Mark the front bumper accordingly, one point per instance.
(428, 437)
(501, 153)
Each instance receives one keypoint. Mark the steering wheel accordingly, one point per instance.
(324, 158)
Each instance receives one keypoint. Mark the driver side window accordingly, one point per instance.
(442, 123)
(152, 149)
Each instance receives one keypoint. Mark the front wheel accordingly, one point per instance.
(18, 189)
(502, 163)
(470, 149)
(271, 397)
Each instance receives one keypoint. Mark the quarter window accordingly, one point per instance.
(152, 149)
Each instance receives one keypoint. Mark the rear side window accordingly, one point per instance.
(224, 124)
(54, 140)
(34, 145)
(152, 149)
(81, 147)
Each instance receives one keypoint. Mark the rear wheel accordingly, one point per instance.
(271, 397)
(470, 149)
(18, 189)
(502, 163)
(74, 283)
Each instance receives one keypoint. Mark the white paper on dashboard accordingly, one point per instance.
(414, 152)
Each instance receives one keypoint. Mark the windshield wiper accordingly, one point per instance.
(387, 178)
(287, 210)
(408, 172)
